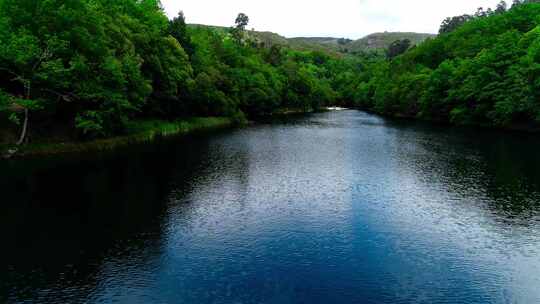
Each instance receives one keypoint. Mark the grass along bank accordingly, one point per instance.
(137, 132)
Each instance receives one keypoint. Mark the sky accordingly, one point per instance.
(323, 18)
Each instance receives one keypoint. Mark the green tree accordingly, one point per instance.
(450, 24)
(397, 48)
(242, 21)
(178, 29)
(32, 65)
(238, 31)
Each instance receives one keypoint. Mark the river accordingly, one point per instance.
(336, 207)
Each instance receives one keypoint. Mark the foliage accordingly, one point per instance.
(238, 31)
(397, 48)
(376, 42)
(451, 23)
(485, 71)
(139, 131)
(178, 30)
(89, 67)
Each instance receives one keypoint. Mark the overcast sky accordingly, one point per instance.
(337, 18)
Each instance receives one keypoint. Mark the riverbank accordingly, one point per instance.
(301, 111)
(137, 132)
(291, 111)
(512, 127)
(142, 205)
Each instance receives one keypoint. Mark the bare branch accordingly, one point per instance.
(68, 96)
(17, 76)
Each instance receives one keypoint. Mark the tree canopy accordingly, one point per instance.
(482, 70)
(86, 68)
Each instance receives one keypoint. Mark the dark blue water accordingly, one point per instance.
(339, 207)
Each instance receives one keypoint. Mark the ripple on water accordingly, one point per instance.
(337, 207)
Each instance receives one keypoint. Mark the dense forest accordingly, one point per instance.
(83, 69)
(481, 69)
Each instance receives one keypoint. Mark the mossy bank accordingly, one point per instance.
(137, 132)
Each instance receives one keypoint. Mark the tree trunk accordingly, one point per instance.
(24, 129)
(28, 89)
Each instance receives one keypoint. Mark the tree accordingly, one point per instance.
(242, 21)
(450, 24)
(517, 3)
(397, 48)
(274, 55)
(239, 29)
(501, 7)
(86, 68)
(486, 72)
(344, 41)
(178, 29)
(30, 63)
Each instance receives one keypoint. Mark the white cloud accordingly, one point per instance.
(338, 18)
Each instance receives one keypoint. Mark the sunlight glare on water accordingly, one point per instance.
(336, 207)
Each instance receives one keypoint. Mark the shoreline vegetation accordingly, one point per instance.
(138, 132)
(481, 70)
(530, 128)
(98, 74)
(86, 70)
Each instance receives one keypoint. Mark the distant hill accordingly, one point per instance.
(321, 43)
(380, 41)
(372, 42)
(485, 71)
(269, 39)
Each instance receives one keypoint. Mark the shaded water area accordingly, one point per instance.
(337, 207)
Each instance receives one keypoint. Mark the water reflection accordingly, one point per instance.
(63, 222)
(335, 207)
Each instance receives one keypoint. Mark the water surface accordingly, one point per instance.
(338, 207)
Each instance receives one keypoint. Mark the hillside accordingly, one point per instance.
(322, 43)
(381, 41)
(372, 42)
(270, 38)
(375, 41)
(92, 69)
(485, 72)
